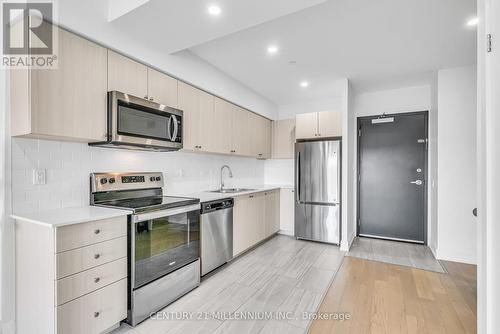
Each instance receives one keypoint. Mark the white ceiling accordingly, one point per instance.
(370, 42)
(174, 25)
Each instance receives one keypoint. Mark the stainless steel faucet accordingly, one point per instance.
(221, 179)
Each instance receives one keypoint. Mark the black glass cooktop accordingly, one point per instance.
(145, 204)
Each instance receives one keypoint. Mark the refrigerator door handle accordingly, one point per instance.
(297, 178)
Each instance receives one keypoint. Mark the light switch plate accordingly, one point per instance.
(39, 176)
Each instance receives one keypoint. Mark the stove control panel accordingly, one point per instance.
(101, 182)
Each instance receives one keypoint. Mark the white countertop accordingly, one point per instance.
(69, 216)
(207, 196)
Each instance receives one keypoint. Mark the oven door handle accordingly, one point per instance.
(164, 213)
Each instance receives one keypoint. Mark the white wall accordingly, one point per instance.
(400, 100)
(89, 18)
(68, 167)
(457, 164)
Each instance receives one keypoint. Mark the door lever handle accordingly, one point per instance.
(417, 182)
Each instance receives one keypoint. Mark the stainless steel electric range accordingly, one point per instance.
(163, 237)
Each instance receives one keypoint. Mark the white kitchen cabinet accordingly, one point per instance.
(255, 218)
(67, 103)
(199, 121)
(131, 77)
(272, 212)
(287, 211)
(283, 139)
(127, 76)
(241, 133)
(243, 220)
(81, 290)
(325, 124)
(162, 88)
(306, 125)
(329, 124)
(223, 127)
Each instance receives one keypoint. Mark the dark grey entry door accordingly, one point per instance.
(392, 165)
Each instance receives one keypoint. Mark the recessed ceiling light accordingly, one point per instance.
(304, 84)
(214, 10)
(272, 49)
(473, 22)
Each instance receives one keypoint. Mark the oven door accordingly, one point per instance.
(137, 121)
(163, 241)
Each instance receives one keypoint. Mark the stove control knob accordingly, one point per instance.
(104, 181)
(112, 180)
(152, 179)
(158, 178)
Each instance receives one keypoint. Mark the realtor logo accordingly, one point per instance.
(28, 34)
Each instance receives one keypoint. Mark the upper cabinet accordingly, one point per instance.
(70, 102)
(162, 88)
(223, 128)
(128, 76)
(67, 103)
(199, 121)
(283, 139)
(322, 124)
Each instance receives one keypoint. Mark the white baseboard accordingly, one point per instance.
(286, 232)
(345, 244)
(455, 256)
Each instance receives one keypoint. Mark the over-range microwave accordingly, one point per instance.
(140, 124)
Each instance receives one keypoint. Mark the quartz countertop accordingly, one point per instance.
(69, 216)
(207, 195)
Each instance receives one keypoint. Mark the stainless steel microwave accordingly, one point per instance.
(140, 124)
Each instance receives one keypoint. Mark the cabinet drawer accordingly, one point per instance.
(77, 260)
(79, 235)
(77, 285)
(95, 312)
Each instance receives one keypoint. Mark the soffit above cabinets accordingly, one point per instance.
(175, 25)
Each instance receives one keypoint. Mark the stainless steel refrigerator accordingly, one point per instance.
(317, 190)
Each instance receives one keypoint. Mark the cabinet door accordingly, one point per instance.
(127, 76)
(162, 88)
(272, 222)
(258, 223)
(330, 124)
(242, 221)
(267, 146)
(241, 132)
(283, 139)
(223, 126)
(70, 101)
(188, 103)
(306, 125)
(198, 108)
(287, 211)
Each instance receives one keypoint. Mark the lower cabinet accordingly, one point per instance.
(287, 211)
(71, 279)
(255, 217)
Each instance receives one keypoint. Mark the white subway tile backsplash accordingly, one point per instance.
(69, 165)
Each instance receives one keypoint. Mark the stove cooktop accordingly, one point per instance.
(147, 204)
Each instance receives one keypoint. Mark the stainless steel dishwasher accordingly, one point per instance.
(216, 234)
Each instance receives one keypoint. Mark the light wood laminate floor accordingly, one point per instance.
(387, 298)
(281, 275)
(401, 253)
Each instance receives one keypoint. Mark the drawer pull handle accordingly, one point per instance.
(96, 280)
(96, 256)
(97, 231)
(96, 314)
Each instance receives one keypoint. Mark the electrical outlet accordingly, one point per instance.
(39, 176)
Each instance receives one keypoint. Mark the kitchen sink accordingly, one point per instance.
(231, 190)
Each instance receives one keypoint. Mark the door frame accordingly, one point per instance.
(425, 113)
